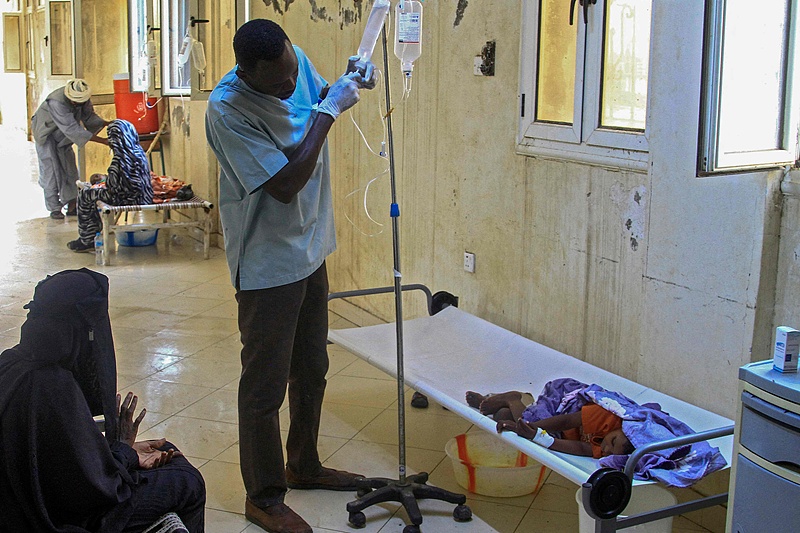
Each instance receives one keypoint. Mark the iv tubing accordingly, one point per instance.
(374, 179)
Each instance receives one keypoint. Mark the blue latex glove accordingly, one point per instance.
(342, 95)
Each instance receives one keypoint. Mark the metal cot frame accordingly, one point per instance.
(110, 214)
(604, 492)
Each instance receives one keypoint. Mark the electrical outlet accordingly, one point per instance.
(469, 262)
(476, 66)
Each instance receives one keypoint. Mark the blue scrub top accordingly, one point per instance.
(267, 242)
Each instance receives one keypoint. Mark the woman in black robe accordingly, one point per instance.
(58, 472)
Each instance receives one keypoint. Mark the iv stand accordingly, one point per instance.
(406, 490)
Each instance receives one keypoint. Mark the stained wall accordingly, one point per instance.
(660, 276)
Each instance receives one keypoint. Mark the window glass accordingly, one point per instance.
(174, 23)
(12, 39)
(216, 36)
(626, 58)
(105, 50)
(155, 36)
(588, 80)
(556, 72)
(753, 76)
(137, 42)
(60, 38)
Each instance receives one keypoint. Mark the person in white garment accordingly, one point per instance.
(66, 117)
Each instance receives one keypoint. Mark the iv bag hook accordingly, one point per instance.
(585, 5)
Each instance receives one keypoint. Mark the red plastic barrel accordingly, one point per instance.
(131, 106)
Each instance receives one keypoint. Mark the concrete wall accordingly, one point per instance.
(662, 277)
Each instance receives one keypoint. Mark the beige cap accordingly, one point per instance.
(77, 90)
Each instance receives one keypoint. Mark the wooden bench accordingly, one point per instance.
(110, 215)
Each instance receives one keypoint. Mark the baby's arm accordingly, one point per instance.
(552, 424)
(560, 422)
(538, 433)
(573, 447)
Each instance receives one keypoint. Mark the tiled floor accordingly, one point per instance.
(174, 320)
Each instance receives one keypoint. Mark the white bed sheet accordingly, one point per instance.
(446, 354)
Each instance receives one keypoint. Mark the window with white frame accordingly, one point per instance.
(138, 36)
(176, 71)
(189, 30)
(144, 45)
(584, 81)
(749, 117)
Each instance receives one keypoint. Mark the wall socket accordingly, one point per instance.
(469, 262)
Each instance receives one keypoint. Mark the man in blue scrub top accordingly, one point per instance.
(267, 122)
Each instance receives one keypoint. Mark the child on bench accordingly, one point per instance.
(591, 431)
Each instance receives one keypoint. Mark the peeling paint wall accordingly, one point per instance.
(662, 277)
(787, 299)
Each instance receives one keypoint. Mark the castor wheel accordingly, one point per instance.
(358, 519)
(610, 492)
(462, 513)
(363, 491)
(411, 528)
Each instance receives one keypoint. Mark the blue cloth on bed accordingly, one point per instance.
(642, 424)
(549, 402)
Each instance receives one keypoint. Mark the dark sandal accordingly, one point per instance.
(79, 246)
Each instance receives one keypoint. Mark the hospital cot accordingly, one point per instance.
(110, 215)
(452, 351)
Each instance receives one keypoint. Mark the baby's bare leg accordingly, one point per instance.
(504, 413)
(474, 399)
(490, 404)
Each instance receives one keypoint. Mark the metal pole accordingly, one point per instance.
(398, 294)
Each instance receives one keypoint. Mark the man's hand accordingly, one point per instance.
(369, 78)
(128, 427)
(150, 456)
(342, 95)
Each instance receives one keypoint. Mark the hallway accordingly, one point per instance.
(177, 344)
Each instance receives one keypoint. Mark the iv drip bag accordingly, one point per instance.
(374, 25)
(408, 33)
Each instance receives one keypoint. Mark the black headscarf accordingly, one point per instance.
(57, 472)
(68, 326)
(129, 171)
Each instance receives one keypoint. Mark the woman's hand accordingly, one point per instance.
(150, 456)
(128, 427)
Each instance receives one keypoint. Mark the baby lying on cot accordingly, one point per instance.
(592, 431)
(603, 424)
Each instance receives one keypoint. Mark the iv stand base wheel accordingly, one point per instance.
(415, 487)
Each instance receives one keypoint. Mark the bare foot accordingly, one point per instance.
(491, 403)
(474, 399)
(495, 402)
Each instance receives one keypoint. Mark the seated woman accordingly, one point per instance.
(127, 183)
(58, 472)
